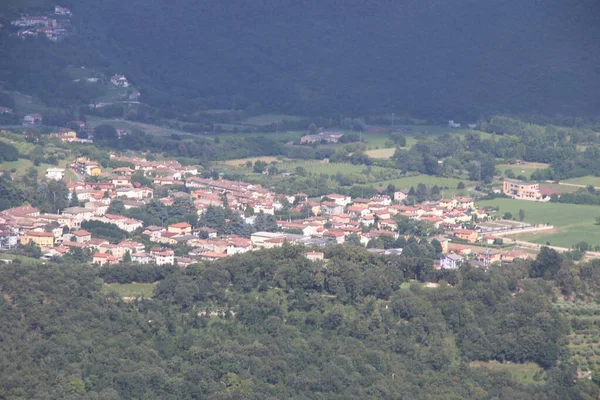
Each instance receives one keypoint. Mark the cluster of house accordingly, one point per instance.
(70, 136)
(326, 137)
(6, 110)
(54, 27)
(331, 219)
(459, 254)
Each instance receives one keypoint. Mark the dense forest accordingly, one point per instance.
(285, 327)
(461, 59)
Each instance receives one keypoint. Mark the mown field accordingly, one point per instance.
(384, 153)
(130, 289)
(584, 180)
(575, 222)
(528, 373)
(522, 169)
(559, 188)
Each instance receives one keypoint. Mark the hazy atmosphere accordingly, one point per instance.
(300, 199)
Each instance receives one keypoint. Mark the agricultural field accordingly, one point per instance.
(584, 181)
(584, 340)
(384, 153)
(574, 222)
(528, 373)
(241, 162)
(521, 169)
(130, 289)
(560, 188)
(21, 166)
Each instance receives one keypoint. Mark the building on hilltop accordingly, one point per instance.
(32, 119)
(119, 81)
(328, 137)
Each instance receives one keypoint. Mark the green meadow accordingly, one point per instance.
(574, 222)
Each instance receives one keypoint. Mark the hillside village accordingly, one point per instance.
(54, 26)
(333, 219)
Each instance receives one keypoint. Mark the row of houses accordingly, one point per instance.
(52, 27)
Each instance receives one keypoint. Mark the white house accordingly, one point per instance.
(451, 261)
(58, 10)
(340, 199)
(141, 258)
(119, 81)
(32, 119)
(55, 173)
(164, 257)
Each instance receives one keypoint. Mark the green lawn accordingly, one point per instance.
(320, 167)
(522, 373)
(584, 180)
(381, 153)
(22, 165)
(576, 222)
(524, 170)
(130, 289)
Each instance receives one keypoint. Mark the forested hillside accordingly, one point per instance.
(437, 59)
(283, 327)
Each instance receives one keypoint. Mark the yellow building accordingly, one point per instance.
(42, 239)
(93, 170)
(521, 190)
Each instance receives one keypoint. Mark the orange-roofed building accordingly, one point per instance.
(466, 234)
(182, 228)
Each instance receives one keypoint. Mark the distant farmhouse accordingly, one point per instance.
(328, 137)
(63, 11)
(32, 119)
(119, 81)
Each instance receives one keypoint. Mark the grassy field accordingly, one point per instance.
(559, 188)
(130, 289)
(384, 153)
(576, 223)
(523, 169)
(522, 373)
(321, 167)
(584, 180)
(242, 161)
(22, 165)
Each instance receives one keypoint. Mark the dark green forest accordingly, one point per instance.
(435, 59)
(285, 327)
